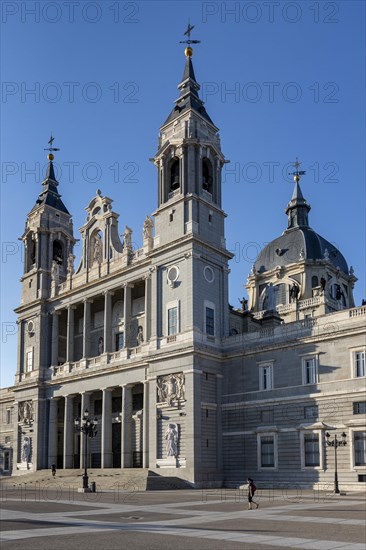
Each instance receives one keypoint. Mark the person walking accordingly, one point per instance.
(251, 491)
(53, 470)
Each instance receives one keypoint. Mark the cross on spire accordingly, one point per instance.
(188, 33)
(298, 173)
(50, 143)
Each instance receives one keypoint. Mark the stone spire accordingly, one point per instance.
(297, 209)
(50, 195)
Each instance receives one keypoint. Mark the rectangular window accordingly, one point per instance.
(360, 448)
(359, 362)
(7, 439)
(97, 406)
(8, 416)
(267, 451)
(29, 361)
(172, 321)
(210, 321)
(265, 377)
(309, 370)
(359, 407)
(311, 447)
(6, 462)
(120, 340)
(311, 412)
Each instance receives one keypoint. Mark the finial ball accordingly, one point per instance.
(188, 52)
(296, 179)
(50, 156)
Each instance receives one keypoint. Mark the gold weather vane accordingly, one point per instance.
(50, 148)
(298, 173)
(188, 51)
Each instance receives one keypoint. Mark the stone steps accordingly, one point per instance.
(108, 479)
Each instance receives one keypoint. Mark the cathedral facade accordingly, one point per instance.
(181, 383)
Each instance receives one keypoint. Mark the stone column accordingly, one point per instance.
(107, 428)
(54, 343)
(193, 422)
(145, 426)
(126, 458)
(153, 304)
(69, 432)
(147, 307)
(70, 334)
(107, 321)
(152, 423)
(52, 432)
(20, 367)
(86, 328)
(85, 404)
(127, 313)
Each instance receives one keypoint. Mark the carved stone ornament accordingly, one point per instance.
(25, 412)
(170, 388)
(26, 449)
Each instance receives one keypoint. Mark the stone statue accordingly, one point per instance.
(171, 439)
(294, 292)
(244, 303)
(100, 345)
(270, 297)
(302, 254)
(25, 412)
(140, 335)
(55, 272)
(351, 271)
(26, 449)
(147, 228)
(323, 282)
(70, 263)
(326, 255)
(127, 238)
(98, 250)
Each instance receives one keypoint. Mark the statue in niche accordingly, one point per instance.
(100, 345)
(127, 239)
(25, 412)
(98, 250)
(26, 449)
(294, 292)
(269, 302)
(70, 263)
(170, 388)
(55, 272)
(147, 228)
(171, 439)
(140, 335)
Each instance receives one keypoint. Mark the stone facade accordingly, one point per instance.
(179, 381)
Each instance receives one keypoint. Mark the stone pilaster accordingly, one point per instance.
(85, 404)
(69, 432)
(86, 328)
(145, 426)
(107, 321)
(147, 307)
(70, 334)
(126, 458)
(127, 314)
(55, 333)
(106, 450)
(52, 432)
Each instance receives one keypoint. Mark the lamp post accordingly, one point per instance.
(336, 443)
(87, 427)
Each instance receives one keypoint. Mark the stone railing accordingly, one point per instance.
(311, 302)
(358, 311)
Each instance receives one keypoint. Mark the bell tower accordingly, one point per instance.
(189, 162)
(48, 239)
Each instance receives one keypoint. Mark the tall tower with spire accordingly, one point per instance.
(189, 216)
(48, 241)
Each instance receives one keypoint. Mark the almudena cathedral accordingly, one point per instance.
(182, 384)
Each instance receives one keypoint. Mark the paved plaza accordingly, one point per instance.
(52, 514)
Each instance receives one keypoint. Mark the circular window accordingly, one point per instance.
(173, 274)
(30, 327)
(209, 274)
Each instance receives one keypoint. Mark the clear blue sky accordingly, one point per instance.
(105, 76)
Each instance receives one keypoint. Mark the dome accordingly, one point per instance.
(301, 243)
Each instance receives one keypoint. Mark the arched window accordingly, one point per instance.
(314, 281)
(174, 174)
(57, 255)
(32, 252)
(207, 179)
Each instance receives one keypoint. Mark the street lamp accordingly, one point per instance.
(336, 443)
(88, 428)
